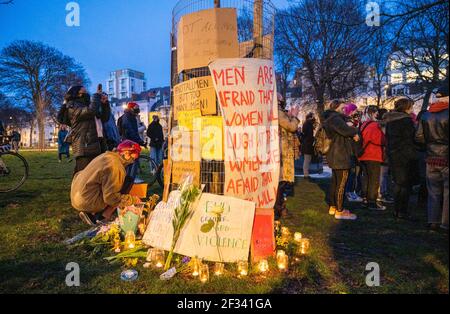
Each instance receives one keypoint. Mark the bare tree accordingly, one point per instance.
(422, 48)
(38, 74)
(330, 54)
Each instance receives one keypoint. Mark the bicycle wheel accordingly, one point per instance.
(160, 176)
(148, 170)
(13, 171)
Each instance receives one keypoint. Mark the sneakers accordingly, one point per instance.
(89, 219)
(376, 206)
(385, 199)
(138, 180)
(332, 210)
(345, 215)
(353, 197)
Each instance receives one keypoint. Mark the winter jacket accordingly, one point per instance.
(63, 147)
(129, 126)
(400, 132)
(433, 132)
(341, 150)
(99, 184)
(372, 142)
(111, 132)
(307, 139)
(288, 129)
(155, 134)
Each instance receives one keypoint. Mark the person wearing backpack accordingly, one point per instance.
(339, 156)
(307, 141)
(371, 157)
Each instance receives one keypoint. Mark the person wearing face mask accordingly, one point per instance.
(103, 185)
(79, 113)
(129, 124)
(402, 153)
(339, 156)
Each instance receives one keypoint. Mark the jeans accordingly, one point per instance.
(337, 189)
(354, 180)
(61, 154)
(403, 175)
(385, 181)
(370, 180)
(156, 154)
(306, 163)
(437, 184)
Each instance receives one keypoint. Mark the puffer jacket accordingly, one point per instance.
(433, 132)
(130, 129)
(341, 152)
(287, 128)
(373, 142)
(99, 184)
(400, 133)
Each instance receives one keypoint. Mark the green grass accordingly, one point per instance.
(36, 219)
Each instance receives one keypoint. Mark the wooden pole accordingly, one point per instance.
(258, 28)
(217, 3)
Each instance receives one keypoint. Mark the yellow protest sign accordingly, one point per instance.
(197, 93)
(182, 168)
(211, 137)
(206, 35)
(186, 118)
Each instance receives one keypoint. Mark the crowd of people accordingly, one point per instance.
(377, 157)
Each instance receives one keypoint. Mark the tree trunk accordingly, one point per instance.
(426, 99)
(41, 128)
(31, 133)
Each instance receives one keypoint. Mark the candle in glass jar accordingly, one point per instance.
(297, 236)
(280, 253)
(159, 258)
(263, 266)
(130, 240)
(304, 246)
(204, 273)
(283, 262)
(243, 268)
(218, 269)
(196, 263)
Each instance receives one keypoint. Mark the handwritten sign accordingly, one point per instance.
(197, 93)
(186, 118)
(206, 35)
(247, 96)
(263, 239)
(182, 168)
(211, 137)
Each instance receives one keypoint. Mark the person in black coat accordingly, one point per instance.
(80, 113)
(156, 135)
(339, 156)
(129, 124)
(402, 153)
(307, 142)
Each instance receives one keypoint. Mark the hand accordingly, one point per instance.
(356, 138)
(294, 111)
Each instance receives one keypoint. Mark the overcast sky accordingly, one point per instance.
(113, 34)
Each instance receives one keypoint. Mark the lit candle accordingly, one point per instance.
(263, 266)
(297, 236)
(280, 253)
(283, 262)
(204, 273)
(130, 240)
(285, 234)
(117, 245)
(159, 258)
(243, 268)
(304, 246)
(218, 269)
(277, 225)
(150, 255)
(196, 263)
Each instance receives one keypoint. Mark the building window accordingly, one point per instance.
(123, 95)
(395, 65)
(396, 78)
(123, 84)
(411, 77)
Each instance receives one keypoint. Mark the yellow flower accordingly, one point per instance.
(217, 210)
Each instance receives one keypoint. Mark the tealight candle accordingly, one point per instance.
(304, 246)
(297, 236)
(243, 268)
(130, 240)
(150, 255)
(280, 253)
(196, 263)
(283, 262)
(204, 273)
(277, 225)
(285, 231)
(117, 245)
(263, 266)
(218, 269)
(159, 258)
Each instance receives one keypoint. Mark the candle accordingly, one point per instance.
(280, 253)
(159, 258)
(285, 234)
(117, 244)
(218, 269)
(304, 246)
(243, 268)
(196, 263)
(204, 273)
(277, 225)
(263, 266)
(130, 240)
(297, 236)
(283, 262)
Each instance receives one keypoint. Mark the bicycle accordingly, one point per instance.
(149, 171)
(13, 167)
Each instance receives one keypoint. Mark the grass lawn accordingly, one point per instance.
(36, 219)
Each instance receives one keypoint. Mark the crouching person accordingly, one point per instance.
(103, 185)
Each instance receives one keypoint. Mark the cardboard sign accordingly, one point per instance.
(228, 241)
(185, 145)
(263, 238)
(211, 137)
(246, 89)
(182, 168)
(186, 118)
(206, 35)
(194, 94)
